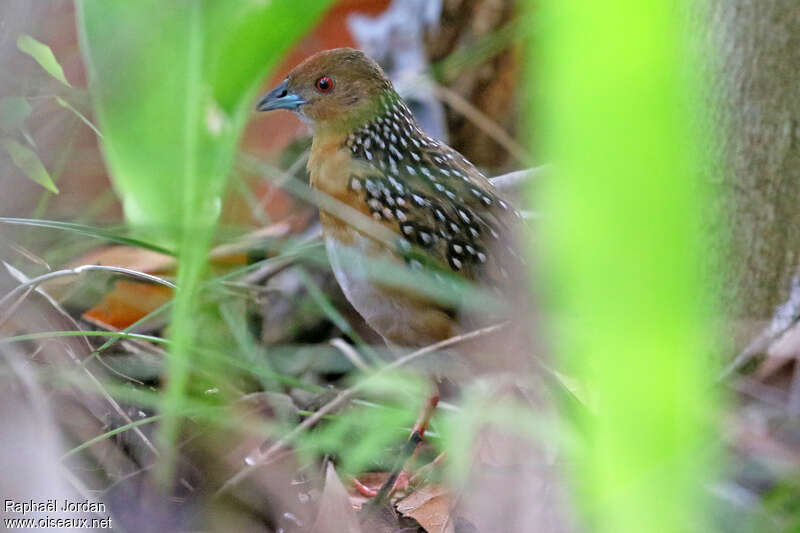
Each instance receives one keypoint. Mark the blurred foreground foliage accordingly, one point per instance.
(172, 84)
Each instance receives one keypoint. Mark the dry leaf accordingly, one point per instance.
(430, 506)
(335, 513)
(129, 302)
(129, 257)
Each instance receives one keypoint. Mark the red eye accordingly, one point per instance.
(324, 84)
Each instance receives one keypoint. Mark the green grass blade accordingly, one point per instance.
(90, 231)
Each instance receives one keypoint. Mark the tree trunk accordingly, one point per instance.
(757, 93)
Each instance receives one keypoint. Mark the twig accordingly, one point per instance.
(483, 122)
(289, 173)
(345, 395)
(25, 282)
(785, 317)
(33, 282)
(351, 354)
(13, 307)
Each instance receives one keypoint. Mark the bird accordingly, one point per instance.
(369, 154)
(430, 208)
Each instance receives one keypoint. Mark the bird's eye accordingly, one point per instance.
(324, 84)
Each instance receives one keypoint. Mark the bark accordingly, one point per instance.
(755, 114)
(489, 82)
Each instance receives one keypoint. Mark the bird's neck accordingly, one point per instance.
(374, 140)
(378, 115)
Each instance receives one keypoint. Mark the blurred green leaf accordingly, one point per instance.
(43, 55)
(27, 160)
(173, 84)
(361, 435)
(173, 115)
(623, 239)
(13, 112)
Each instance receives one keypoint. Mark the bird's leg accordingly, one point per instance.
(427, 412)
(409, 452)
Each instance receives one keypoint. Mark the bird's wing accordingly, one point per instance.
(447, 212)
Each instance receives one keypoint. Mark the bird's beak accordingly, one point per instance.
(280, 98)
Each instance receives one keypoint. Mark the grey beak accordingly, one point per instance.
(280, 98)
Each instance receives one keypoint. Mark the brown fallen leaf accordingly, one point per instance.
(127, 303)
(130, 300)
(129, 257)
(335, 514)
(430, 506)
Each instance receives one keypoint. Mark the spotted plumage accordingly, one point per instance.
(437, 199)
(368, 153)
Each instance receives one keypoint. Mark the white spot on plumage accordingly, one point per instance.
(396, 184)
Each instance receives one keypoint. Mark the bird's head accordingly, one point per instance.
(340, 87)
